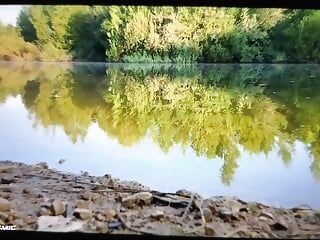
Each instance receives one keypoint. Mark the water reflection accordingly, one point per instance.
(228, 113)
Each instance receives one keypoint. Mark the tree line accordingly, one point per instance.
(167, 34)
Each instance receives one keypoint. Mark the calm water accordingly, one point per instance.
(251, 131)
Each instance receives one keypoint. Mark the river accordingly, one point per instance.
(251, 131)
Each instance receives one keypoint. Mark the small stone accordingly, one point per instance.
(110, 213)
(225, 213)
(82, 204)
(312, 219)
(137, 198)
(82, 213)
(110, 183)
(19, 222)
(27, 190)
(264, 235)
(44, 211)
(264, 219)
(95, 196)
(100, 217)
(31, 220)
(6, 169)
(7, 180)
(280, 224)
(57, 207)
(5, 205)
(207, 214)
(102, 227)
(85, 196)
(267, 214)
(157, 214)
(209, 230)
(4, 217)
(6, 189)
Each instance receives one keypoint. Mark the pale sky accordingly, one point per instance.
(9, 13)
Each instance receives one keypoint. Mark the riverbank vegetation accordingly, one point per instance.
(14, 48)
(170, 34)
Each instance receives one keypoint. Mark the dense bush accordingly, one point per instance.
(170, 34)
(14, 48)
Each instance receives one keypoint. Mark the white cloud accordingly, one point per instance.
(9, 13)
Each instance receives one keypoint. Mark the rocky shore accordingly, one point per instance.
(34, 197)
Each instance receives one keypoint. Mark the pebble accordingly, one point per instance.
(5, 205)
(225, 213)
(57, 207)
(157, 214)
(209, 230)
(110, 213)
(100, 217)
(82, 213)
(280, 224)
(137, 198)
(82, 204)
(19, 222)
(102, 227)
(7, 180)
(4, 217)
(44, 211)
(6, 169)
(267, 214)
(95, 196)
(207, 214)
(27, 190)
(85, 196)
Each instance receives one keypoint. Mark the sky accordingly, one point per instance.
(9, 13)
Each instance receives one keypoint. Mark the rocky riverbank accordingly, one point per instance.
(34, 197)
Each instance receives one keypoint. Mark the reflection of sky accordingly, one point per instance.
(258, 178)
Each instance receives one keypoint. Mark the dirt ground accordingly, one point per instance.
(34, 197)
